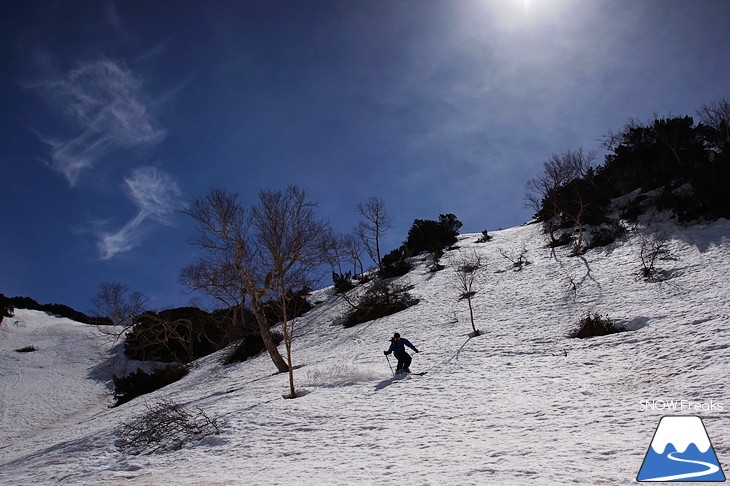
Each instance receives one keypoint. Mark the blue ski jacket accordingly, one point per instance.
(398, 346)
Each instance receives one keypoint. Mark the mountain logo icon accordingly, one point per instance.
(681, 451)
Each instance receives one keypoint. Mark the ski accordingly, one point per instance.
(399, 376)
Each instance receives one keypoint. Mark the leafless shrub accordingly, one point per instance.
(519, 260)
(113, 301)
(166, 427)
(467, 268)
(549, 195)
(654, 248)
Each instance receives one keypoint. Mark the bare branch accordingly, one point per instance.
(372, 227)
(467, 269)
(519, 260)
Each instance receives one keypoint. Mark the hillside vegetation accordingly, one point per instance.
(522, 402)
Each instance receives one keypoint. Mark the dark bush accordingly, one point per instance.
(432, 236)
(186, 333)
(634, 208)
(685, 206)
(343, 282)
(666, 154)
(595, 325)
(605, 234)
(250, 346)
(25, 303)
(139, 383)
(296, 305)
(485, 237)
(65, 311)
(394, 264)
(31, 304)
(6, 308)
(382, 299)
(27, 349)
(562, 240)
(99, 321)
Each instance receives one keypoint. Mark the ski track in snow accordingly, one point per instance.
(520, 404)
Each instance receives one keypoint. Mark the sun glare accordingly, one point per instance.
(532, 6)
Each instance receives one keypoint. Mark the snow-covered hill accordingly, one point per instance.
(522, 403)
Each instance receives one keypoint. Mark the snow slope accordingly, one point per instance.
(522, 403)
(64, 375)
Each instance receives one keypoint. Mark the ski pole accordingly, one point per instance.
(389, 365)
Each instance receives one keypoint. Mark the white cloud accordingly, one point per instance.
(103, 98)
(157, 196)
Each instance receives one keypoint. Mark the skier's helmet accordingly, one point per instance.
(396, 336)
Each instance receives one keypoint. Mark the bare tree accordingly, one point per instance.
(113, 301)
(344, 248)
(353, 249)
(541, 192)
(268, 252)
(335, 249)
(467, 268)
(228, 268)
(717, 116)
(546, 193)
(371, 228)
(614, 138)
(290, 245)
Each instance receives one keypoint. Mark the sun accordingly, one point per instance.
(529, 6)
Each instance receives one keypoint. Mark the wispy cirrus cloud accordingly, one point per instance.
(103, 98)
(156, 196)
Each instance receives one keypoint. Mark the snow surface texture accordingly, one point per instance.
(522, 403)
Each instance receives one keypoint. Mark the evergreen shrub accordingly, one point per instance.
(250, 346)
(605, 234)
(343, 282)
(595, 325)
(432, 236)
(139, 382)
(382, 299)
(394, 264)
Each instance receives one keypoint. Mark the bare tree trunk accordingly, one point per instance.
(266, 338)
(288, 343)
(471, 316)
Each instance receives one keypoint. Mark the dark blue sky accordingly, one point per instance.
(115, 114)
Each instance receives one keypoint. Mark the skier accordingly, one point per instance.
(398, 348)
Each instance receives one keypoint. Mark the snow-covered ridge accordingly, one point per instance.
(522, 403)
